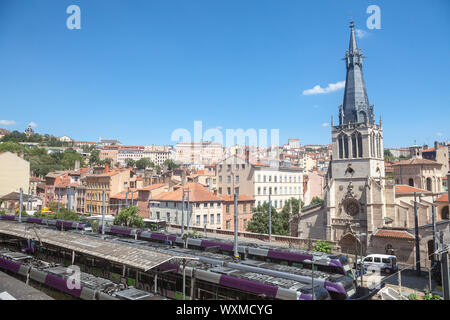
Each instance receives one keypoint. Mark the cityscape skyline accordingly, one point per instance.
(290, 63)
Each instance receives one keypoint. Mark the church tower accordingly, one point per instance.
(355, 180)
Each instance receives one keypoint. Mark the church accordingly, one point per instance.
(363, 211)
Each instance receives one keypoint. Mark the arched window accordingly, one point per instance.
(362, 117)
(341, 152)
(411, 182)
(372, 145)
(354, 154)
(379, 146)
(444, 213)
(360, 147)
(346, 147)
(429, 184)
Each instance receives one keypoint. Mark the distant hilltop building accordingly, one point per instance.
(106, 142)
(29, 131)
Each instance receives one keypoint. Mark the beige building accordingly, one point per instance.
(204, 207)
(112, 182)
(198, 153)
(14, 173)
(418, 172)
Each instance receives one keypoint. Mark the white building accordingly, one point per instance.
(157, 157)
(198, 153)
(281, 182)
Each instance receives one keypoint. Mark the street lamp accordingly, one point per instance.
(312, 273)
(359, 235)
(416, 227)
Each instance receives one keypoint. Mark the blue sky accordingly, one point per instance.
(137, 70)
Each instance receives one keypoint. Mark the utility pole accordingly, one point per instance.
(20, 205)
(29, 199)
(126, 199)
(103, 213)
(444, 267)
(236, 224)
(90, 212)
(445, 275)
(182, 213)
(270, 215)
(132, 202)
(68, 192)
(59, 198)
(433, 211)
(188, 213)
(416, 223)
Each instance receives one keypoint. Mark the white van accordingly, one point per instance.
(383, 262)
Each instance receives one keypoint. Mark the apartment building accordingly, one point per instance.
(234, 173)
(157, 156)
(204, 207)
(245, 213)
(110, 181)
(198, 153)
(282, 183)
(109, 153)
(14, 173)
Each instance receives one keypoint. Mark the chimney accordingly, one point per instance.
(106, 168)
(425, 146)
(77, 165)
(436, 146)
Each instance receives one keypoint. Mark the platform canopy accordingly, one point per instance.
(140, 258)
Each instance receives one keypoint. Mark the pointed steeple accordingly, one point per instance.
(356, 107)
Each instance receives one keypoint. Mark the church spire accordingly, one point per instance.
(356, 107)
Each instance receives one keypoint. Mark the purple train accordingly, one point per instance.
(330, 263)
(55, 277)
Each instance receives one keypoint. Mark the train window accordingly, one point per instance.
(298, 265)
(131, 273)
(284, 263)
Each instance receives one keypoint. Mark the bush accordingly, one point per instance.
(412, 296)
(323, 246)
(432, 296)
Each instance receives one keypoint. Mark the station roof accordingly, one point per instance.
(136, 257)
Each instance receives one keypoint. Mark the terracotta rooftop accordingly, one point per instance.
(395, 234)
(443, 198)
(122, 195)
(408, 189)
(198, 193)
(152, 187)
(416, 162)
(242, 197)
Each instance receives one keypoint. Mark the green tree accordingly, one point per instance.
(170, 164)
(316, 200)
(129, 217)
(260, 221)
(143, 163)
(130, 162)
(323, 246)
(94, 158)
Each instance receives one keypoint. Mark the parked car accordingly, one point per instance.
(385, 263)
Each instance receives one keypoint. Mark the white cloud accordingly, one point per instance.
(439, 134)
(361, 33)
(330, 88)
(7, 122)
(325, 124)
(32, 124)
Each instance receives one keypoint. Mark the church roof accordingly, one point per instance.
(416, 161)
(395, 234)
(408, 189)
(356, 106)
